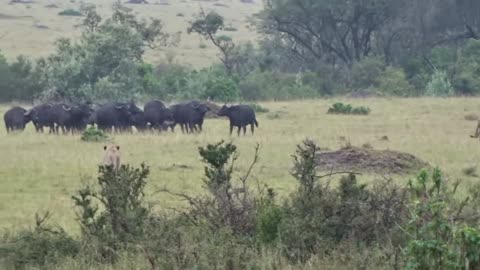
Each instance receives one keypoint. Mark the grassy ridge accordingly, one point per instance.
(40, 172)
(31, 29)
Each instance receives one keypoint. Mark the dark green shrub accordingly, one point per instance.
(366, 73)
(439, 85)
(439, 233)
(40, 246)
(269, 219)
(70, 12)
(341, 108)
(318, 218)
(393, 82)
(258, 108)
(361, 110)
(93, 134)
(121, 218)
(227, 206)
(221, 89)
(276, 86)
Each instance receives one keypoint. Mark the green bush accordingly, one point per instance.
(92, 134)
(341, 108)
(274, 85)
(258, 108)
(39, 247)
(466, 76)
(393, 82)
(318, 217)
(70, 12)
(326, 81)
(221, 89)
(439, 85)
(366, 73)
(268, 221)
(439, 233)
(120, 219)
(21, 79)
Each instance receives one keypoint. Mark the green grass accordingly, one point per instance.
(21, 37)
(40, 172)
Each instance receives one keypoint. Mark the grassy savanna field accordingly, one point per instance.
(32, 29)
(40, 172)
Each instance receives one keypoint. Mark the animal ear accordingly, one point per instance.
(118, 147)
(104, 147)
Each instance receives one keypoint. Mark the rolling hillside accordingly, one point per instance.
(32, 28)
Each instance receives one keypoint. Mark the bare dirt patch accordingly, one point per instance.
(368, 160)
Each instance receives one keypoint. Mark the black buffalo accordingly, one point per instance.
(67, 117)
(189, 116)
(70, 117)
(157, 115)
(41, 117)
(120, 116)
(15, 119)
(240, 116)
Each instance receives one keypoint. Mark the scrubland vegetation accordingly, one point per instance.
(383, 82)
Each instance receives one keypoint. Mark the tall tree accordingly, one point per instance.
(208, 26)
(106, 62)
(341, 28)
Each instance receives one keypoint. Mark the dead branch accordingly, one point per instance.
(255, 160)
(150, 259)
(335, 173)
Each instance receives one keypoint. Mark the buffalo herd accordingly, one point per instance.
(122, 117)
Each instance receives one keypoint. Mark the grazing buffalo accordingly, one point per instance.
(240, 116)
(70, 117)
(15, 119)
(41, 117)
(189, 115)
(120, 116)
(157, 115)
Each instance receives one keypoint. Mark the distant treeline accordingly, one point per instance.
(308, 49)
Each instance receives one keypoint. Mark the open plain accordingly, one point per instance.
(41, 172)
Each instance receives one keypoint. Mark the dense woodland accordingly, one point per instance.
(308, 49)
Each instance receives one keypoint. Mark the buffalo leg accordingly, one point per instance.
(192, 127)
(51, 129)
(238, 130)
(244, 130)
(231, 129)
(252, 127)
